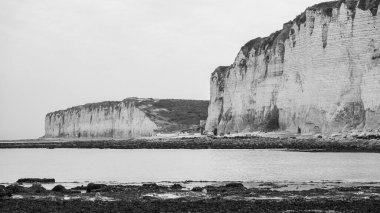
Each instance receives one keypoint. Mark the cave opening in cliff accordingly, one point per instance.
(215, 131)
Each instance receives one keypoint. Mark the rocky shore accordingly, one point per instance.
(244, 142)
(217, 197)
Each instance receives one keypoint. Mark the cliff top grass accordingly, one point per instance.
(221, 72)
(263, 44)
(178, 111)
(327, 8)
(94, 106)
(89, 106)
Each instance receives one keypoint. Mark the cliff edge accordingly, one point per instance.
(130, 118)
(320, 74)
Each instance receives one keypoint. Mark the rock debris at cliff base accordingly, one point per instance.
(294, 144)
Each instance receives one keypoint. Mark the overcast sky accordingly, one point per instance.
(57, 54)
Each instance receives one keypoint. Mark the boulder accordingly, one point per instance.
(37, 188)
(79, 188)
(3, 191)
(197, 189)
(59, 188)
(176, 186)
(95, 187)
(14, 189)
(150, 185)
(235, 185)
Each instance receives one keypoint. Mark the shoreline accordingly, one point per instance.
(175, 197)
(243, 142)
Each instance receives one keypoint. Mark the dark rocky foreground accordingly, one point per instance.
(251, 142)
(231, 197)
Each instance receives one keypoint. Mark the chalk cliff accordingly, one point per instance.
(319, 74)
(129, 118)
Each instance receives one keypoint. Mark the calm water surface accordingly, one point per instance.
(125, 166)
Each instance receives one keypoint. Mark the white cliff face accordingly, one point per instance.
(122, 120)
(130, 118)
(320, 74)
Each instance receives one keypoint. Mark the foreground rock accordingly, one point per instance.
(92, 187)
(230, 197)
(3, 191)
(15, 189)
(36, 188)
(59, 188)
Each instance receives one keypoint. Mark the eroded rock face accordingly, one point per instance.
(129, 118)
(319, 74)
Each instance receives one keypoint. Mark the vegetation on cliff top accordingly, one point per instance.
(261, 45)
(221, 72)
(89, 106)
(183, 112)
(372, 5)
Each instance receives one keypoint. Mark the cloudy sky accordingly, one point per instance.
(59, 53)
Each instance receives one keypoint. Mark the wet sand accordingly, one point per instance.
(206, 197)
